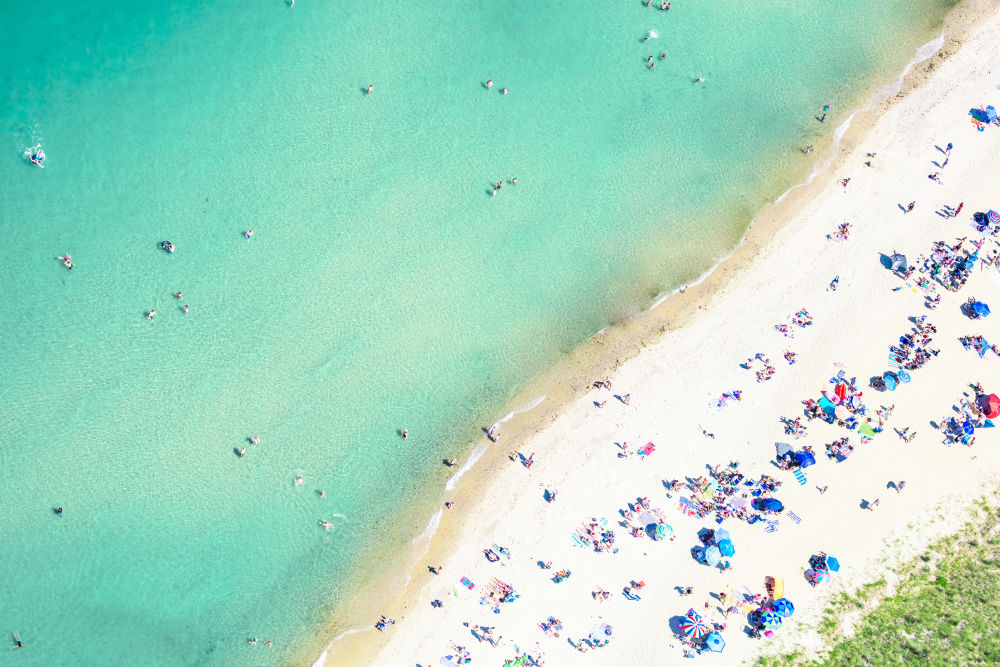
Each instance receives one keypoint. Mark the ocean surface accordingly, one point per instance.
(385, 286)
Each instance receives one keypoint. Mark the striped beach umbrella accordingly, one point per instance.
(695, 629)
(993, 216)
(771, 620)
(784, 607)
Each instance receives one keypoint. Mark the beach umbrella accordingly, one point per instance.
(771, 620)
(692, 616)
(784, 607)
(820, 576)
(980, 115)
(722, 534)
(993, 216)
(898, 262)
(968, 428)
(664, 531)
(715, 643)
(771, 504)
(981, 309)
(739, 502)
(833, 564)
(783, 449)
(991, 113)
(903, 376)
(890, 382)
(806, 459)
(990, 405)
(727, 548)
(713, 556)
(694, 628)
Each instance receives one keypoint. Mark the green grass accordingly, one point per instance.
(945, 610)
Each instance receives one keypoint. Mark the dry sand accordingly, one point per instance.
(673, 386)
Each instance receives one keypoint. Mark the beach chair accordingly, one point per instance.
(800, 476)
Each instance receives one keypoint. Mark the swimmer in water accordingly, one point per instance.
(370, 89)
(255, 440)
(298, 481)
(405, 434)
(67, 262)
(243, 452)
(37, 157)
(451, 463)
(58, 511)
(252, 642)
(249, 234)
(489, 84)
(504, 91)
(322, 493)
(699, 80)
(179, 295)
(326, 525)
(185, 308)
(151, 314)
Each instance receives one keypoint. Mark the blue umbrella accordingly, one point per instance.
(903, 376)
(981, 309)
(772, 504)
(727, 548)
(968, 428)
(715, 643)
(805, 459)
(713, 555)
(721, 534)
(784, 607)
(833, 564)
(890, 382)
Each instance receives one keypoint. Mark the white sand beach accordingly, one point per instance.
(674, 386)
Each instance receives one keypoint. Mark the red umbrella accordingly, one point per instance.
(990, 405)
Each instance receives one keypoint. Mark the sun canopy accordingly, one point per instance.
(784, 607)
(833, 564)
(898, 262)
(727, 548)
(715, 643)
(713, 555)
(890, 382)
(981, 309)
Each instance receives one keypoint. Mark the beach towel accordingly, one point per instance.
(800, 476)
(794, 517)
(771, 527)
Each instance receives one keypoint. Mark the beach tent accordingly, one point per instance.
(712, 556)
(980, 309)
(771, 504)
(827, 406)
(833, 564)
(990, 405)
(783, 449)
(727, 548)
(715, 643)
(805, 459)
(890, 382)
(898, 262)
(784, 607)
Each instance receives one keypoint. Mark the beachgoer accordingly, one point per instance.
(625, 398)
(451, 463)
(405, 434)
(873, 505)
(900, 485)
(252, 642)
(823, 490)
(449, 504)
(186, 308)
(909, 207)
(255, 440)
(947, 149)
(822, 118)
(243, 452)
(151, 314)
(370, 89)
(489, 84)
(322, 493)
(59, 511)
(503, 92)
(249, 233)
(298, 480)
(179, 295)
(826, 107)
(268, 642)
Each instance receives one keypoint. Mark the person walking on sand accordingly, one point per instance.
(625, 398)
(947, 149)
(900, 485)
(909, 207)
(872, 505)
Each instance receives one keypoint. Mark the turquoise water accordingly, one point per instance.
(384, 286)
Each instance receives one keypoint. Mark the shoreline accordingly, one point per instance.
(608, 349)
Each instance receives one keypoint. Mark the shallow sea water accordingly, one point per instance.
(384, 287)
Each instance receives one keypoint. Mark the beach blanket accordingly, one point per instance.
(800, 476)
(687, 507)
(794, 517)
